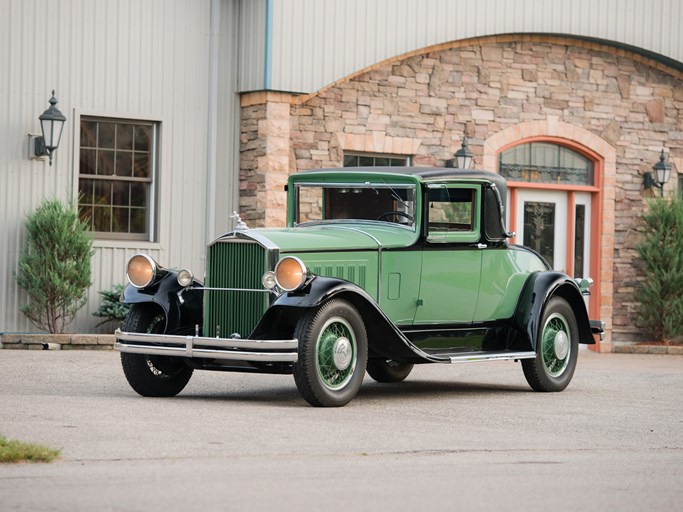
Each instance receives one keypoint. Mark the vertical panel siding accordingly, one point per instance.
(316, 43)
(146, 59)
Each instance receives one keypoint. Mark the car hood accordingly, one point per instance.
(336, 237)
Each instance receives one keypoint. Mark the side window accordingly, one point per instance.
(453, 214)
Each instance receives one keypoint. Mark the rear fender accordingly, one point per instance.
(384, 338)
(181, 314)
(539, 288)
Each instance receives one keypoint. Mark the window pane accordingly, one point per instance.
(539, 229)
(124, 164)
(350, 161)
(381, 162)
(85, 214)
(105, 137)
(105, 163)
(120, 220)
(124, 136)
(88, 134)
(366, 161)
(88, 161)
(85, 191)
(102, 193)
(143, 138)
(102, 218)
(142, 165)
(138, 220)
(579, 241)
(450, 210)
(548, 163)
(138, 194)
(121, 193)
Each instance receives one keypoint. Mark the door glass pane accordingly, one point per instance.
(539, 229)
(579, 239)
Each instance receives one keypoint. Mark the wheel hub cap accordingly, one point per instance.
(342, 353)
(561, 345)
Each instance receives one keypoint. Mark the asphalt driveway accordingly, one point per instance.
(463, 437)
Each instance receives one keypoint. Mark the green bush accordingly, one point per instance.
(661, 250)
(111, 308)
(54, 267)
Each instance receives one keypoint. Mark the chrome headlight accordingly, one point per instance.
(268, 280)
(185, 278)
(141, 270)
(290, 273)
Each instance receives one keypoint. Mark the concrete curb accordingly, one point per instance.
(641, 348)
(57, 341)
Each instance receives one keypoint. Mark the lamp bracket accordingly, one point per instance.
(36, 147)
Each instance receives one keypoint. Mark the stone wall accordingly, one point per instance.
(422, 104)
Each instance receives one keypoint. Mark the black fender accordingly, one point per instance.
(538, 289)
(384, 338)
(181, 314)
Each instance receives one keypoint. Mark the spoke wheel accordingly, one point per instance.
(557, 349)
(332, 354)
(150, 375)
(388, 370)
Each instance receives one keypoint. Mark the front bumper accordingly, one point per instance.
(255, 351)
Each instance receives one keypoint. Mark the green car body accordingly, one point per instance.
(377, 269)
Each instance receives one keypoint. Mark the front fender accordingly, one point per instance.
(384, 338)
(539, 288)
(181, 314)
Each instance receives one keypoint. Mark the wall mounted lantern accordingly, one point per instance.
(463, 156)
(51, 125)
(661, 176)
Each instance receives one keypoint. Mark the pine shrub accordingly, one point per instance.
(111, 308)
(54, 266)
(661, 250)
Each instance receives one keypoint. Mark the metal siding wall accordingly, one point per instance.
(145, 59)
(252, 44)
(316, 43)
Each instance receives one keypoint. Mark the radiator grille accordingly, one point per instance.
(234, 264)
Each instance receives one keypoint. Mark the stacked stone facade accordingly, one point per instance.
(422, 104)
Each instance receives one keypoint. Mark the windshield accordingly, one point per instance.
(368, 201)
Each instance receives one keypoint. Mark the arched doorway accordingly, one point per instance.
(561, 199)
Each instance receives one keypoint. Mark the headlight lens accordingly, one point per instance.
(290, 273)
(268, 280)
(185, 277)
(141, 270)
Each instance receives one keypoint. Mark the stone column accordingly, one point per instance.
(264, 158)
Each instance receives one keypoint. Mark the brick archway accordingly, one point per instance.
(604, 157)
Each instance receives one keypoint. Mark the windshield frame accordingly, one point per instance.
(366, 185)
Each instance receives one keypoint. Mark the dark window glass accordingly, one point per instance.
(369, 160)
(115, 177)
(539, 229)
(579, 239)
(543, 162)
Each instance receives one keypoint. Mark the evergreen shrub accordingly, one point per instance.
(111, 308)
(661, 293)
(54, 266)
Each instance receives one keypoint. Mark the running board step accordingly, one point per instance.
(487, 356)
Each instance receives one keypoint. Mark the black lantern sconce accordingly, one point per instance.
(463, 156)
(51, 125)
(662, 171)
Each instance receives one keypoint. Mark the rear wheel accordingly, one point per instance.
(152, 375)
(333, 354)
(556, 349)
(388, 370)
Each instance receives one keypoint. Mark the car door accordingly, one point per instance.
(451, 257)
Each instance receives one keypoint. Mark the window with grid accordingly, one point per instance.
(545, 162)
(117, 174)
(374, 160)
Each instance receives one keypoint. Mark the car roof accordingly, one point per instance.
(423, 173)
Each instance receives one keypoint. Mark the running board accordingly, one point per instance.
(489, 356)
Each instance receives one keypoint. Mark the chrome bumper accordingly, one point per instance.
(261, 351)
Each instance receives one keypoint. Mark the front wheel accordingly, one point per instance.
(556, 349)
(150, 375)
(333, 354)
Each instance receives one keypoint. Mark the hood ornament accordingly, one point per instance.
(240, 224)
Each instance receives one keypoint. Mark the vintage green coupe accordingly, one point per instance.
(379, 269)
